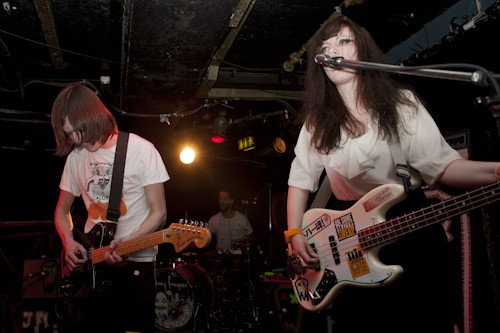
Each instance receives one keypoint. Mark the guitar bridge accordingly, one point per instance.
(314, 295)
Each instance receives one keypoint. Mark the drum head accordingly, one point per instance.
(175, 300)
(179, 291)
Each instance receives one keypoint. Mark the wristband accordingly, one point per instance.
(497, 172)
(290, 233)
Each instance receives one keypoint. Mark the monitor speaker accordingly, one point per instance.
(460, 142)
(41, 278)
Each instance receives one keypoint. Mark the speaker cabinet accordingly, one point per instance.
(41, 278)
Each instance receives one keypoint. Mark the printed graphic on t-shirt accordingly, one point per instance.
(99, 184)
(99, 188)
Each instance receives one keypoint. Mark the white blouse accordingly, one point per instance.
(365, 162)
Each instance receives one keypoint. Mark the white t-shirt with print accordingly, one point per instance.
(89, 175)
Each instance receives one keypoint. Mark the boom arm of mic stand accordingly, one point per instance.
(479, 76)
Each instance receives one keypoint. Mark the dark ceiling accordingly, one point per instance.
(174, 65)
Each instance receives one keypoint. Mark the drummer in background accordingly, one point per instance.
(231, 229)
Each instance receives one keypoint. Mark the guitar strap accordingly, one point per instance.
(322, 195)
(113, 212)
(402, 169)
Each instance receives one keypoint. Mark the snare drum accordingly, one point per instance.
(179, 291)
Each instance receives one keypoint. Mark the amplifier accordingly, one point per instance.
(41, 278)
(285, 313)
(460, 142)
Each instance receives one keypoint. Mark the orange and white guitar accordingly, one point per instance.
(347, 242)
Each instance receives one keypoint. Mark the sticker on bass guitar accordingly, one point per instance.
(345, 227)
(317, 226)
(379, 198)
(357, 263)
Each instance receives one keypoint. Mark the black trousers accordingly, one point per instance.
(123, 300)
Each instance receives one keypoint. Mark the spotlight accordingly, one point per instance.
(105, 84)
(187, 155)
(220, 128)
(279, 144)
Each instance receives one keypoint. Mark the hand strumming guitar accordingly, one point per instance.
(75, 254)
(308, 258)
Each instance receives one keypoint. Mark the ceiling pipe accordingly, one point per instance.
(237, 21)
(44, 9)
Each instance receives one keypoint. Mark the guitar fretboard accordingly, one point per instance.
(390, 230)
(132, 245)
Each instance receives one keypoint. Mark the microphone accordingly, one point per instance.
(325, 60)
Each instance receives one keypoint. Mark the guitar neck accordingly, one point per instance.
(133, 245)
(391, 230)
(179, 235)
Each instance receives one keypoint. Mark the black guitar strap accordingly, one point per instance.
(402, 169)
(113, 213)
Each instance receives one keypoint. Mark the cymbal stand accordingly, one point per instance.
(195, 317)
(251, 288)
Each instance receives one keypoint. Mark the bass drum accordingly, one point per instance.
(179, 292)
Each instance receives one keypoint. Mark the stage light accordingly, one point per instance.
(220, 125)
(279, 144)
(105, 84)
(187, 155)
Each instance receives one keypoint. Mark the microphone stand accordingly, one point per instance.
(479, 75)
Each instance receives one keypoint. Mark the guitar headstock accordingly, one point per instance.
(184, 234)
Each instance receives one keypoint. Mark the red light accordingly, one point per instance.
(218, 139)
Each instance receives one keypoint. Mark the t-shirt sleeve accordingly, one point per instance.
(153, 169)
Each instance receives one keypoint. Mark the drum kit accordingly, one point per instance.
(212, 291)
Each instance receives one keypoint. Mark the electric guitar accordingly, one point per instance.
(347, 242)
(75, 284)
(180, 235)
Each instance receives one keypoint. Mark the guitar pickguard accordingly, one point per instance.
(100, 235)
